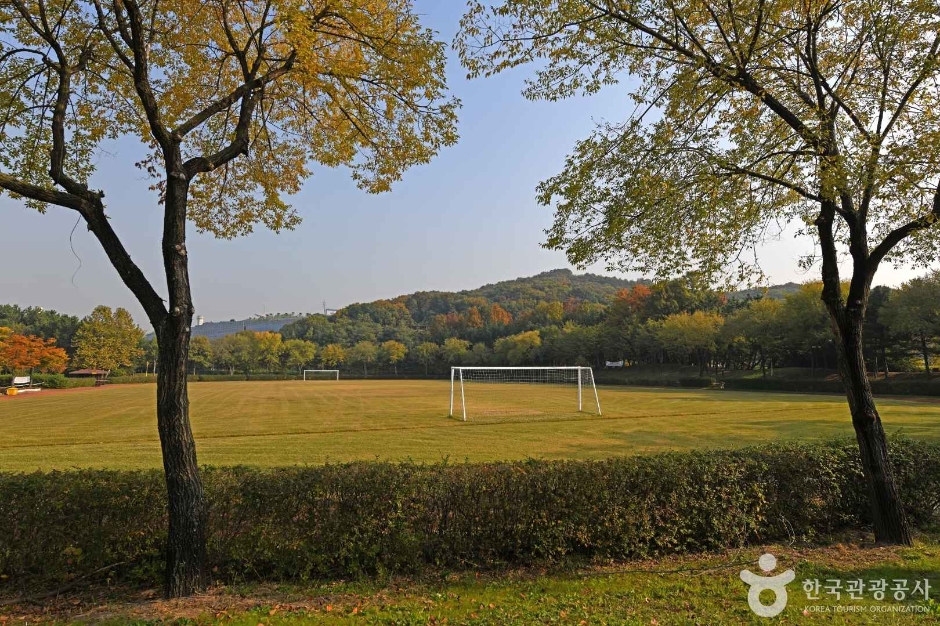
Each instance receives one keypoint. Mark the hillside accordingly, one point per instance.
(516, 296)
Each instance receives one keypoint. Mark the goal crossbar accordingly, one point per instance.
(333, 374)
(580, 376)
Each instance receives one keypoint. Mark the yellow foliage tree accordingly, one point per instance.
(234, 101)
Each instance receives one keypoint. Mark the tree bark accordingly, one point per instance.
(186, 542)
(888, 515)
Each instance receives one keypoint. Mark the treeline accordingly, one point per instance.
(36, 341)
(681, 321)
(555, 318)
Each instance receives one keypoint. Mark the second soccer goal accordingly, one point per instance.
(321, 374)
(477, 392)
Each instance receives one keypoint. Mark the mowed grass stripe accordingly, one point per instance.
(284, 423)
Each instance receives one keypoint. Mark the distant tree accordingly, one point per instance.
(472, 318)
(684, 334)
(546, 313)
(148, 354)
(426, 353)
(269, 347)
(498, 316)
(758, 326)
(107, 340)
(364, 353)
(519, 348)
(393, 352)
(877, 333)
(455, 350)
(240, 350)
(200, 353)
(40, 322)
(479, 354)
(806, 323)
(224, 353)
(333, 355)
(31, 353)
(913, 310)
(297, 354)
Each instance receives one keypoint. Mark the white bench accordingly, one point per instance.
(23, 382)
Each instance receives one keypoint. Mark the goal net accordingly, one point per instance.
(321, 374)
(481, 392)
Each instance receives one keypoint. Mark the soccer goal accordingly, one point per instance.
(321, 374)
(522, 392)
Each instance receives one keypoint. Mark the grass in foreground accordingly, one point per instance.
(680, 590)
(296, 422)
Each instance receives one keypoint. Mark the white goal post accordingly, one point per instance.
(321, 374)
(522, 391)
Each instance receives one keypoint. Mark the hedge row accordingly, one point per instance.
(880, 387)
(922, 387)
(362, 519)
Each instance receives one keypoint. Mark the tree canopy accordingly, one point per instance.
(747, 114)
(107, 340)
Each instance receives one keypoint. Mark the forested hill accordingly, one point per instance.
(516, 296)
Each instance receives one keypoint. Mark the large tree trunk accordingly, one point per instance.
(888, 516)
(186, 542)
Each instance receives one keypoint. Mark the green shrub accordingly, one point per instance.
(360, 519)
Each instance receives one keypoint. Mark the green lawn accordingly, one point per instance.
(285, 423)
(694, 589)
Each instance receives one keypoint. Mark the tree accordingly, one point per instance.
(455, 350)
(805, 322)
(748, 114)
(498, 316)
(914, 310)
(107, 340)
(237, 351)
(517, 349)
(268, 348)
(758, 325)
(298, 353)
(223, 353)
(147, 358)
(393, 353)
(333, 355)
(364, 353)
(426, 353)
(30, 353)
(479, 354)
(233, 108)
(473, 319)
(200, 353)
(685, 334)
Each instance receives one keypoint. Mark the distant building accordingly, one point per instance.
(214, 330)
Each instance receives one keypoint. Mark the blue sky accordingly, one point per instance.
(467, 219)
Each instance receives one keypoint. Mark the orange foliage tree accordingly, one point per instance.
(27, 352)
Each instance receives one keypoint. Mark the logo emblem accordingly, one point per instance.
(777, 584)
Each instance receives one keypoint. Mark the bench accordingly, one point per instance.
(23, 382)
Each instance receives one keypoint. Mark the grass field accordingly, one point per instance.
(287, 423)
(691, 589)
